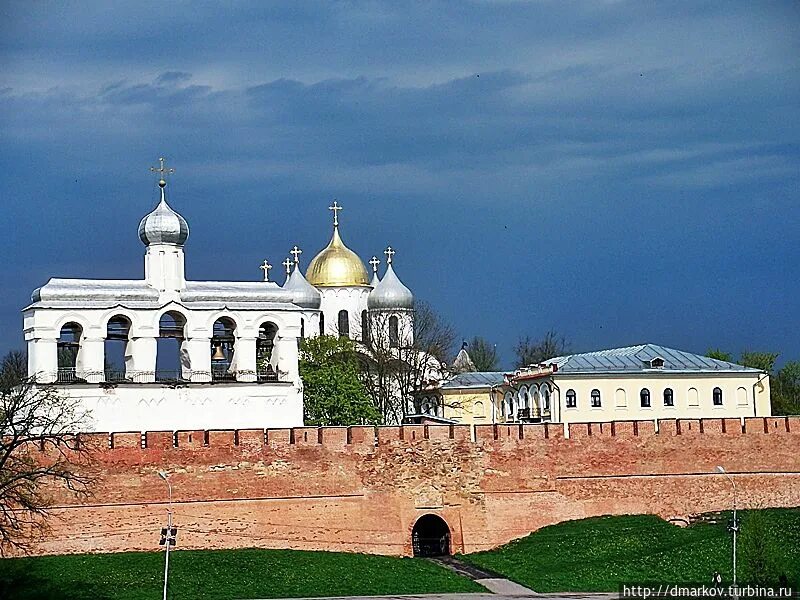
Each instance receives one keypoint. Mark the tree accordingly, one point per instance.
(39, 451)
(399, 360)
(531, 352)
(785, 390)
(483, 354)
(333, 392)
(761, 559)
(718, 354)
(764, 361)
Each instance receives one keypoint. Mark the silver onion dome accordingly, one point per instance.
(304, 294)
(163, 225)
(390, 293)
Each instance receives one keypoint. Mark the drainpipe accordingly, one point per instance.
(759, 380)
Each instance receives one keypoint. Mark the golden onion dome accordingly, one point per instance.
(336, 265)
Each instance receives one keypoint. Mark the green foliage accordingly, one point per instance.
(483, 354)
(598, 554)
(223, 574)
(718, 354)
(761, 560)
(785, 390)
(764, 361)
(333, 392)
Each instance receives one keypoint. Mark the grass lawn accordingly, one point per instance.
(250, 573)
(598, 554)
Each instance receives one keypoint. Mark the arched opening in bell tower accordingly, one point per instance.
(223, 342)
(116, 348)
(430, 536)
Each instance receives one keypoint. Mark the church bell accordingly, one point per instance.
(218, 353)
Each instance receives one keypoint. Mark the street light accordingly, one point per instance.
(168, 537)
(735, 526)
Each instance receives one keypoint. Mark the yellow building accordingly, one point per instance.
(645, 382)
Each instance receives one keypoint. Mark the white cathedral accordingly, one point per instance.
(202, 354)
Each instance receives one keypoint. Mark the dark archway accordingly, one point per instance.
(430, 536)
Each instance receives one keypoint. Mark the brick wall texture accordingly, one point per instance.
(361, 489)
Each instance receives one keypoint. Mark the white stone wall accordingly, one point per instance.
(352, 299)
(156, 407)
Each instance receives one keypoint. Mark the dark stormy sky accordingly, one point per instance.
(622, 172)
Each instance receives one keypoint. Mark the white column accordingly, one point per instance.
(245, 357)
(287, 358)
(90, 362)
(43, 359)
(199, 349)
(143, 359)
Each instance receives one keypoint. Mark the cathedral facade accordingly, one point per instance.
(167, 353)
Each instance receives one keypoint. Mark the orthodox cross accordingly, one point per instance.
(374, 262)
(162, 171)
(389, 254)
(335, 208)
(287, 264)
(266, 267)
(296, 252)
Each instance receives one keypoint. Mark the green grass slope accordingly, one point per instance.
(220, 574)
(598, 554)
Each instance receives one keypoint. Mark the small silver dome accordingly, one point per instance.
(163, 225)
(304, 294)
(390, 293)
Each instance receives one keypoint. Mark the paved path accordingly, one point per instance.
(494, 582)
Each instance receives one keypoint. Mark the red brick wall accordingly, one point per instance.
(362, 489)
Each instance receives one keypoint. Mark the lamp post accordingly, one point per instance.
(168, 537)
(735, 526)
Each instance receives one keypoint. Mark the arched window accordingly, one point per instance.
(572, 399)
(545, 392)
(717, 396)
(344, 324)
(117, 348)
(536, 402)
(365, 327)
(596, 399)
(523, 397)
(322, 323)
(509, 405)
(692, 397)
(669, 397)
(69, 346)
(620, 398)
(394, 332)
(265, 345)
(741, 396)
(223, 341)
(644, 397)
(172, 358)
(477, 409)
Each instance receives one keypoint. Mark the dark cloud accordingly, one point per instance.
(584, 166)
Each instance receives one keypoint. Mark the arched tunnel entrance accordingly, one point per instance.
(430, 536)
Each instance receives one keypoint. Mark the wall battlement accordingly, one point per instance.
(340, 438)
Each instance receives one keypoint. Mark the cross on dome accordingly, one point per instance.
(162, 171)
(389, 254)
(266, 267)
(374, 261)
(287, 264)
(335, 208)
(296, 252)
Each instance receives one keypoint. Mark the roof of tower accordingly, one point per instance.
(303, 293)
(163, 225)
(390, 293)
